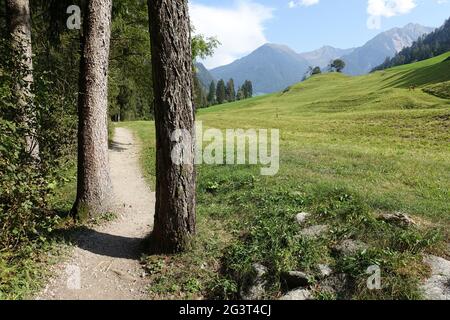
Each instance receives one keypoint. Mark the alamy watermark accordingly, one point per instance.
(73, 277)
(231, 146)
(74, 20)
(374, 281)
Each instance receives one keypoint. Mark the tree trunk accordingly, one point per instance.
(94, 189)
(172, 84)
(19, 24)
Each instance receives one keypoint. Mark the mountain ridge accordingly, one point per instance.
(273, 67)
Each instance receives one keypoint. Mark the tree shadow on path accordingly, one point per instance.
(105, 244)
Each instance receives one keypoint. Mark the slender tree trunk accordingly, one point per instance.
(94, 189)
(172, 83)
(19, 23)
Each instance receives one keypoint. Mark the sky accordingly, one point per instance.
(305, 25)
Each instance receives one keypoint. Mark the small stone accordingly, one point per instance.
(301, 217)
(398, 218)
(314, 231)
(336, 284)
(437, 287)
(260, 269)
(298, 295)
(350, 247)
(324, 270)
(295, 279)
(253, 288)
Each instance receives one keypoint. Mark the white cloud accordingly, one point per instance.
(387, 9)
(303, 3)
(390, 8)
(240, 28)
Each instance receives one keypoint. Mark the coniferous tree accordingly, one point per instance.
(220, 92)
(230, 91)
(240, 94)
(247, 88)
(212, 93)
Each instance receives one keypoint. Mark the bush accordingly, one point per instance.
(25, 185)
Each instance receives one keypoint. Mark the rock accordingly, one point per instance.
(260, 270)
(399, 219)
(437, 287)
(324, 270)
(295, 279)
(350, 247)
(253, 288)
(298, 295)
(314, 231)
(337, 284)
(301, 217)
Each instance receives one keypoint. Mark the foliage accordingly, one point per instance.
(316, 70)
(203, 47)
(130, 81)
(22, 187)
(337, 65)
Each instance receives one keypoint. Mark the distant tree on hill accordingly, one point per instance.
(337, 65)
(212, 93)
(200, 99)
(247, 89)
(230, 91)
(315, 71)
(240, 94)
(221, 92)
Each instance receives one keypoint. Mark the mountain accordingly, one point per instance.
(322, 57)
(431, 45)
(387, 44)
(203, 75)
(271, 68)
(274, 67)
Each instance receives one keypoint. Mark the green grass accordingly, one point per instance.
(351, 147)
(367, 134)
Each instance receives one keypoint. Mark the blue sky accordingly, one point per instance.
(305, 25)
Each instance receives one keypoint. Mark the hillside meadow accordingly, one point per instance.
(351, 148)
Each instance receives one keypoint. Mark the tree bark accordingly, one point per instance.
(172, 83)
(19, 24)
(94, 188)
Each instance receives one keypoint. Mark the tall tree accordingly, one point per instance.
(240, 94)
(200, 98)
(247, 88)
(230, 91)
(94, 188)
(212, 93)
(172, 68)
(221, 92)
(19, 25)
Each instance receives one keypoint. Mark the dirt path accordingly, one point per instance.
(105, 262)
